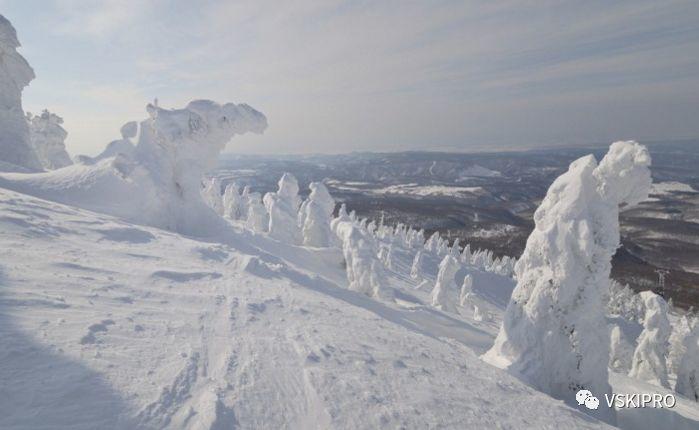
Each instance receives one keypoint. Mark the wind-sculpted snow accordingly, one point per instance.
(47, 137)
(554, 332)
(15, 74)
(160, 183)
(123, 146)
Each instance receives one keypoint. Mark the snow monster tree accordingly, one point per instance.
(554, 334)
(15, 74)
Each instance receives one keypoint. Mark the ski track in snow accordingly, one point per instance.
(106, 324)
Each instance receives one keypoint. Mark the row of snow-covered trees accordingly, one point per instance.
(369, 248)
(661, 349)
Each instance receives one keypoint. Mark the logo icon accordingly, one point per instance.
(585, 397)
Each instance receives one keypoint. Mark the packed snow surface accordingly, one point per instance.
(107, 324)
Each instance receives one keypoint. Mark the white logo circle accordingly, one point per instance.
(585, 397)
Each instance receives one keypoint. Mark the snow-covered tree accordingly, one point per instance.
(466, 290)
(623, 301)
(620, 351)
(257, 218)
(389, 257)
(442, 291)
(455, 249)
(15, 74)
(680, 330)
(342, 217)
(318, 211)
(47, 137)
(554, 333)
(432, 244)
(177, 146)
(282, 208)
(364, 270)
(466, 254)
(212, 195)
(479, 314)
(235, 204)
(648, 363)
(688, 370)
(416, 268)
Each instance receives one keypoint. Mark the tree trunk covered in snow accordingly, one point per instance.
(554, 334)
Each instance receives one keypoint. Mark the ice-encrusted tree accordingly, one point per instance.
(466, 254)
(649, 363)
(47, 137)
(554, 333)
(688, 369)
(318, 211)
(620, 351)
(416, 268)
(455, 249)
(256, 218)
(623, 301)
(445, 285)
(677, 339)
(177, 147)
(15, 74)
(282, 207)
(389, 258)
(234, 204)
(364, 270)
(466, 290)
(432, 243)
(212, 195)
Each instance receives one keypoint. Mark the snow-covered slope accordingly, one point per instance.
(106, 324)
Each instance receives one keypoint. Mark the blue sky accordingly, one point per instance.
(340, 76)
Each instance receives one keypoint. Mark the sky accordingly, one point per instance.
(339, 76)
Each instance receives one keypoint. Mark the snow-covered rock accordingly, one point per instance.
(554, 333)
(15, 74)
(47, 137)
